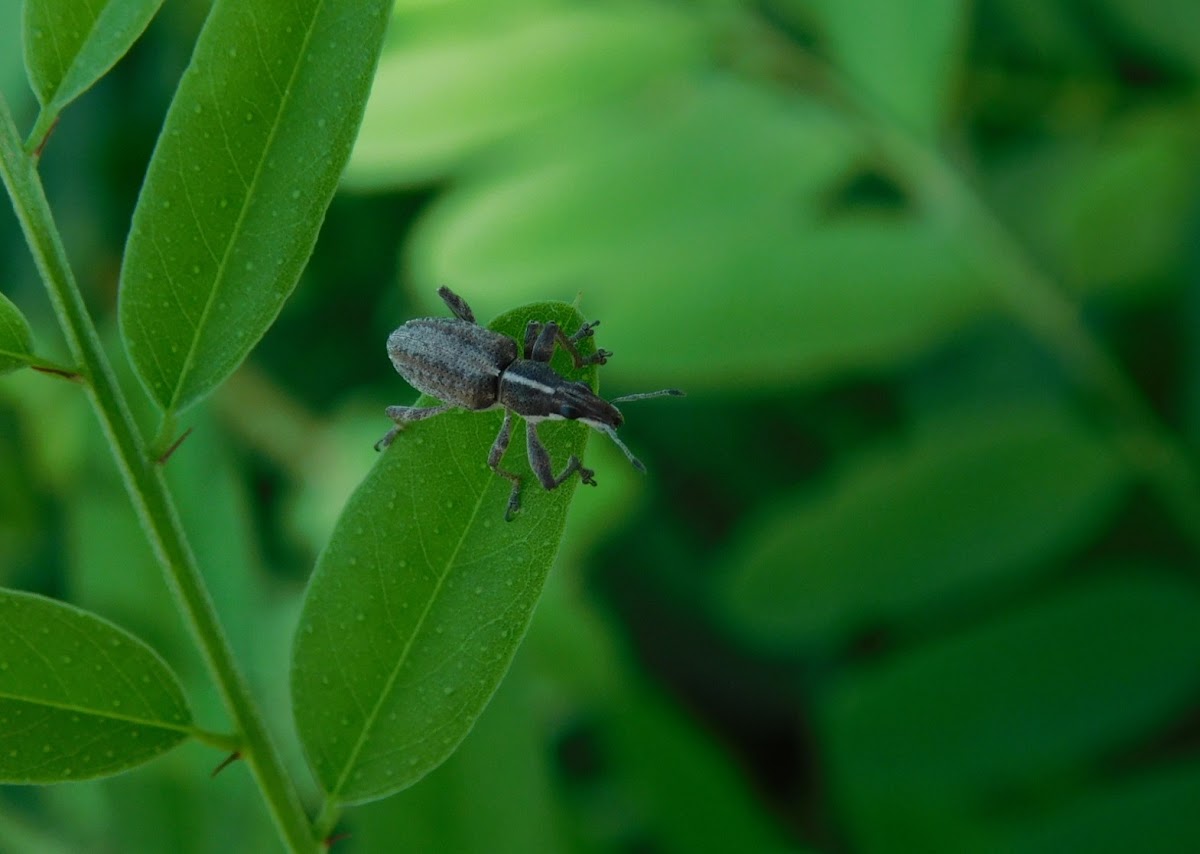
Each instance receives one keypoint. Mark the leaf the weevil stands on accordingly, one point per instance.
(70, 45)
(424, 592)
(16, 340)
(246, 165)
(79, 697)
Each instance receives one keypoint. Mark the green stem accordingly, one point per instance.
(331, 814)
(220, 740)
(147, 486)
(1053, 316)
(42, 129)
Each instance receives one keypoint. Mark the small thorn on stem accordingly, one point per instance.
(226, 762)
(73, 376)
(166, 455)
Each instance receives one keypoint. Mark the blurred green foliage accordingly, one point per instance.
(914, 565)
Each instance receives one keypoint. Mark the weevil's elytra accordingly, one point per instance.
(467, 366)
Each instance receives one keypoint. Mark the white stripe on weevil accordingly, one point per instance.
(510, 377)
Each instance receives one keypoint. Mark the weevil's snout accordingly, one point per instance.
(580, 403)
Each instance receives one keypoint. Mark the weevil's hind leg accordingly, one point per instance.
(539, 461)
(406, 415)
(495, 455)
(457, 305)
(541, 338)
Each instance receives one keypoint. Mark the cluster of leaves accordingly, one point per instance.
(916, 544)
(417, 604)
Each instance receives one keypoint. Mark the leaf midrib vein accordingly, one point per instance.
(369, 723)
(97, 713)
(249, 198)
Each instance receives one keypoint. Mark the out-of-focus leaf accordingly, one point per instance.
(973, 503)
(70, 45)
(247, 162)
(1113, 212)
(1150, 812)
(500, 777)
(1169, 26)
(419, 601)
(113, 570)
(654, 761)
(903, 54)
(698, 222)
(1036, 692)
(79, 697)
(437, 102)
(16, 339)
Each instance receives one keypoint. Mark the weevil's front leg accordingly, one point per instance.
(406, 415)
(495, 455)
(539, 461)
(541, 338)
(457, 305)
(532, 330)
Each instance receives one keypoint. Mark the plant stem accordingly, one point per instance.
(1043, 306)
(1032, 295)
(147, 485)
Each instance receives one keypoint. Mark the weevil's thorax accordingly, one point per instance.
(455, 361)
(534, 390)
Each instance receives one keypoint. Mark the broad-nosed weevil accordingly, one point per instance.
(468, 366)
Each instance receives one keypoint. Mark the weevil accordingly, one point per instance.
(468, 366)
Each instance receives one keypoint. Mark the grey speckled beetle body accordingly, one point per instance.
(467, 366)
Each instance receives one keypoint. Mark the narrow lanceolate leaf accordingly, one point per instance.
(16, 340)
(975, 504)
(79, 697)
(247, 162)
(424, 593)
(70, 45)
(1075, 677)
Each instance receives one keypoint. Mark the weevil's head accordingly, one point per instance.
(577, 402)
(533, 390)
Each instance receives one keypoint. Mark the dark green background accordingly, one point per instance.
(907, 572)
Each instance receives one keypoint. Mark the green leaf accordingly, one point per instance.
(1110, 211)
(1170, 27)
(502, 777)
(699, 216)
(1002, 707)
(247, 162)
(1143, 812)
(423, 594)
(441, 99)
(16, 339)
(79, 697)
(902, 54)
(975, 503)
(70, 45)
(653, 760)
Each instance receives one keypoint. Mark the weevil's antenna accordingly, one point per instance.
(612, 434)
(666, 392)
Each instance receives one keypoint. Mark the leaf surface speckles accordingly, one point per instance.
(247, 162)
(79, 697)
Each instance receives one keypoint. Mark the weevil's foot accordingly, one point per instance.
(388, 439)
(600, 357)
(585, 331)
(587, 476)
(514, 505)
